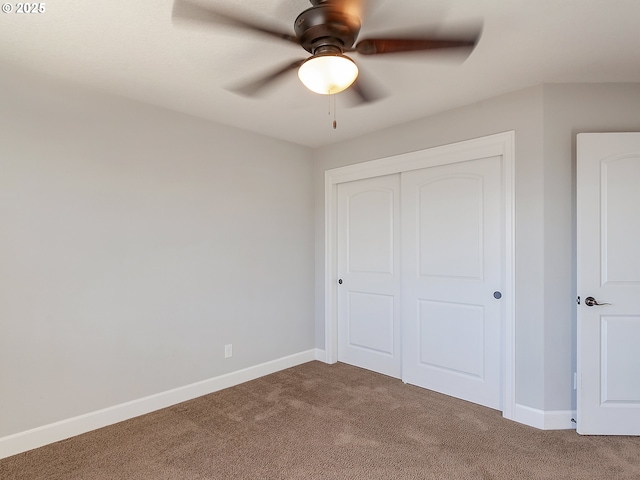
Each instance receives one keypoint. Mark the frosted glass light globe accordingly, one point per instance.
(328, 74)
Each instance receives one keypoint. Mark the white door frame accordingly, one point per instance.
(501, 144)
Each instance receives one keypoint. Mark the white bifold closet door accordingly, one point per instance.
(451, 282)
(369, 274)
(420, 262)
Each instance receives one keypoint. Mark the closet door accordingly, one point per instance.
(369, 274)
(452, 255)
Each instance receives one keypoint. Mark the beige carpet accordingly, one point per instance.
(330, 422)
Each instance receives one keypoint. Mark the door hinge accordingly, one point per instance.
(578, 300)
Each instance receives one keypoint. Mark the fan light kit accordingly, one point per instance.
(328, 74)
(327, 31)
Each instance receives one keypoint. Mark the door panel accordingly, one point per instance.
(444, 324)
(608, 235)
(620, 219)
(368, 265)
(452, 264)
(370, 233)
(455, 250)
(377, 332)
(620, 340)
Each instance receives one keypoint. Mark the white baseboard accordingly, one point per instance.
(321, 355)
(54, 432)
(545, 420)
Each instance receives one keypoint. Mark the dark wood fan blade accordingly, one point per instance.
(365, 90)
(377, 46)
(188, 12)
(355, 8)
(253, 88)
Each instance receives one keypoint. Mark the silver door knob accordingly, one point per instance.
(591, 302)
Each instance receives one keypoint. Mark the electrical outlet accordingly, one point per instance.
(228, 351)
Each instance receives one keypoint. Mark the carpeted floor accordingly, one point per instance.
(319, 421)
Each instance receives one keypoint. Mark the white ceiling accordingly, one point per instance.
(132, 49)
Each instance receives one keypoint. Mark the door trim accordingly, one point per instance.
(501, 144)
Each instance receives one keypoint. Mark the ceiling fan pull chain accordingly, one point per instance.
(335, 124)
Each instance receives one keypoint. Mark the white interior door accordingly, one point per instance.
(369, 274)
(452, 279)
(608, 237)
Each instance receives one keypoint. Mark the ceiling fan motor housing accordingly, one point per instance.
(323, 26)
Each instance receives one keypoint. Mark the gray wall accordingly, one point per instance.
(545, 119)
(134, 244)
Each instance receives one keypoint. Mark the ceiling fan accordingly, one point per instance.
(327, 30)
